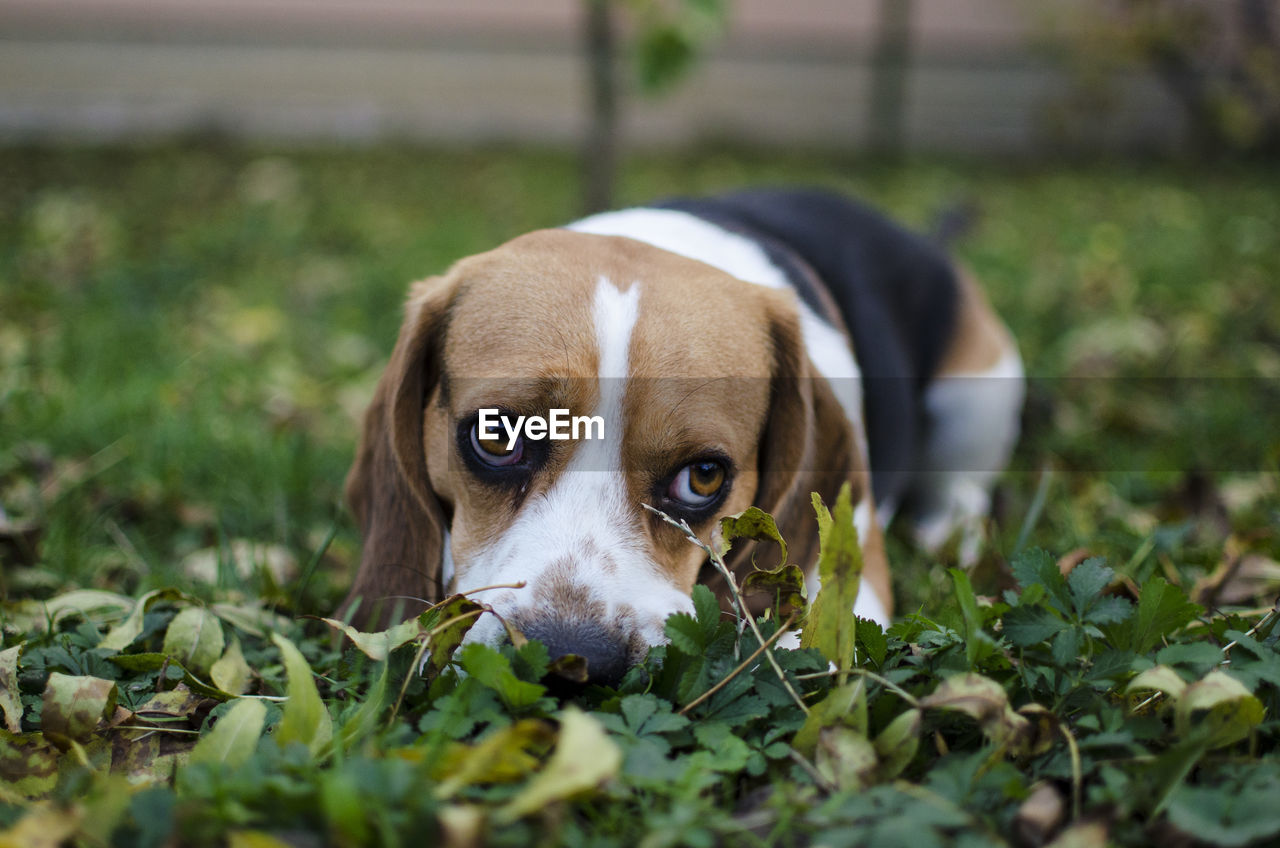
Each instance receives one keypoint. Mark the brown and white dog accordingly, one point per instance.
(714, 340)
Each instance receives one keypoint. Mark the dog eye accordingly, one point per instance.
(494, 451)
(697, 484)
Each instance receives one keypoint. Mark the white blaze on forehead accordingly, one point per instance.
(615, 313)
(585, 518)
(690, 236)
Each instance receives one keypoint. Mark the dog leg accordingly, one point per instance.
(972, 409)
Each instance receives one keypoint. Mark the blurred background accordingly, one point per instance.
(210, 211)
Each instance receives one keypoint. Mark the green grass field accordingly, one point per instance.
(188, 336)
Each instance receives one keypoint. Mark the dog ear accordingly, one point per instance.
(400, 517)
(808, 445)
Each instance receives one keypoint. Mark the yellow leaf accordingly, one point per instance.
(585, 757)
(43, 826)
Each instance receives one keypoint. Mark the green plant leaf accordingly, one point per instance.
(845, 705)
(365, 719)
(872, 642)
(831, 626)
(1086, 583)
(1035, 567)
(685, 634)
(897, 744)
(305, 718)
(1236, 809)
(978, 644)
(234, 737)
(1162, 609)
(1025, 626)
(154, 662)
(493, 670)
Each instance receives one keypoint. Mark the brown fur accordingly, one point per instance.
(979, 337)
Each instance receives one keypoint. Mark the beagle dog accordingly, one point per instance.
(723, 352)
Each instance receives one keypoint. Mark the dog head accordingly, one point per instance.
(706, 402)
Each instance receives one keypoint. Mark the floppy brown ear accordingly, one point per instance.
(400, 517)
(808, 445)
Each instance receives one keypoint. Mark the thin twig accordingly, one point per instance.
(422, 652)
(519, 585)
(871, 675)
(1266, 620)
(718, 561)
(810, 769)
(741, 666)
(157, 729)
(1076, 778)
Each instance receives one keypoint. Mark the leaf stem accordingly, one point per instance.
(871, 675)
(741, 666)
(718, 561)
(1267, 620)
(1077, 779)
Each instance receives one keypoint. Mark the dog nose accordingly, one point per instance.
(604, 650)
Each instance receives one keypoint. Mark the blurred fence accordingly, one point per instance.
(797, 73)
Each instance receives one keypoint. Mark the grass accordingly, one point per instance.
(188, 335)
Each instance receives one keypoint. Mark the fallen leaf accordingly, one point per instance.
(846, 758)
(28, 763)
(73, 706)
(194, 638)
(461, 825)
(42, 826)
(1221, 707)
(1160, 678)
(448, 622)
(506, 755)
(984, 700)
(378, 646)
(231, 673)
(1040, 815)
(10, 696)
(584, 758)
(122, 635)
(234, 736)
